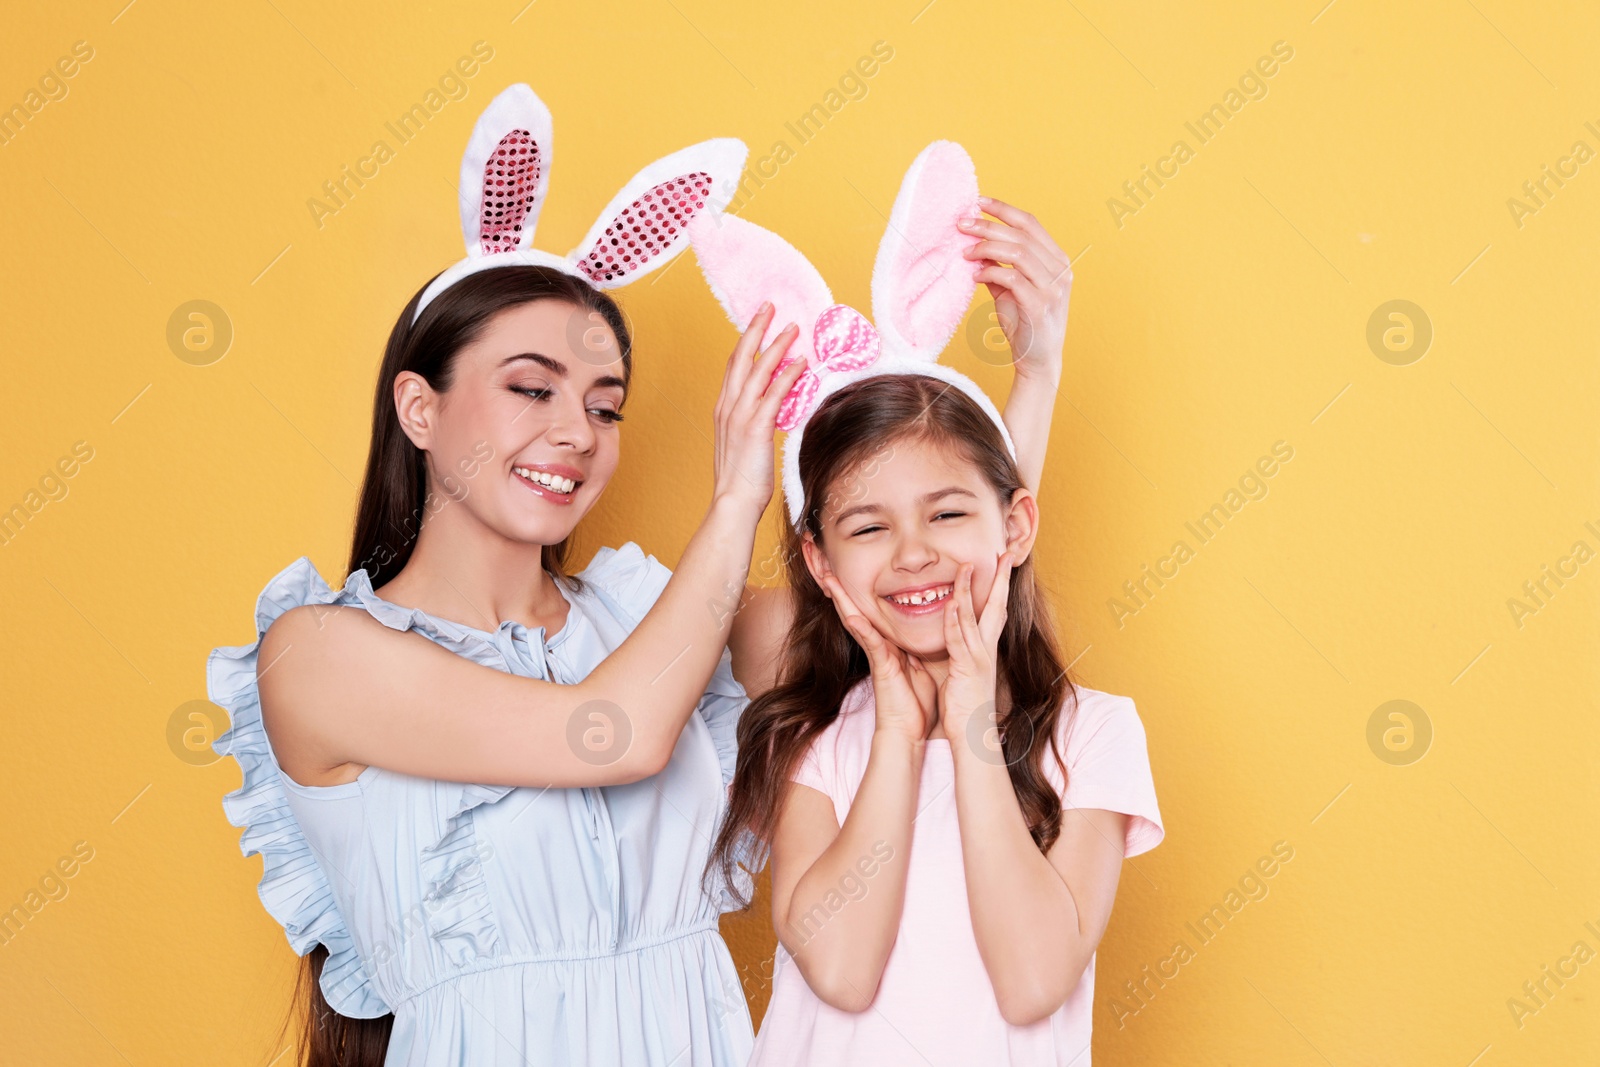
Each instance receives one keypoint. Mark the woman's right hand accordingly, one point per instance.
(907, 697)
(747, 412)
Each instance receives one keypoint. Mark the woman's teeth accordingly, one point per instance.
(927, 596)
(552, 482)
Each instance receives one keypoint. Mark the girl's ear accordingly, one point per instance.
(647, 222)
(922, 283)
(816, 562)
(505, 173)
(1022, 525)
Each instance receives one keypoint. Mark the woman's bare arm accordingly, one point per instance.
(338, 687)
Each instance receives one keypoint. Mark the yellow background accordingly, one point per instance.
(1228, 313)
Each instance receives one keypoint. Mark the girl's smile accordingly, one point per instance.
(922, 600)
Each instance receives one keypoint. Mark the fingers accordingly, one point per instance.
(760, 379)
(967, 634)
(859, 626)
(965, 615)
(779, 388)
(994, 609)
(1015, 216)
(739, 362)
(1023, 236)
(1026, 258)
(1008, 278)
(955, 642)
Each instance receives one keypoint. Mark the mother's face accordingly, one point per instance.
(526, 437)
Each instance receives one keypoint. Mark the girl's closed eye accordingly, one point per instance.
(936, 518)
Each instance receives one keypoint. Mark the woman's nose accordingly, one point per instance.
(571, 427)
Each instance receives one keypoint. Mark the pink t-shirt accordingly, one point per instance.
(935, 1004)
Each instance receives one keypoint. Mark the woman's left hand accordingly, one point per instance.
(1031, 295)
(973, 640)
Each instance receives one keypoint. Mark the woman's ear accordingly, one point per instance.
(414, 404)
(816, 562)
(1022, 525)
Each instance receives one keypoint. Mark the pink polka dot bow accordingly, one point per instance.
(842, 340)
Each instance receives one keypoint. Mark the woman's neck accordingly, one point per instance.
(462, 571)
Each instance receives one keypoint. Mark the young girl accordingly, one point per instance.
(946, 812)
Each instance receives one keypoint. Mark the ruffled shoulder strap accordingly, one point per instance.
(293, 888)
(628, 579)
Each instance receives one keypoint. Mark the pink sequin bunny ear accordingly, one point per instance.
(505, 173)
(647, 223)
(922, 284)
(505, 176)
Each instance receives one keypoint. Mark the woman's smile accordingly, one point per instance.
(555, 482)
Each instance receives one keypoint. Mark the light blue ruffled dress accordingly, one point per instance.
(504, 925)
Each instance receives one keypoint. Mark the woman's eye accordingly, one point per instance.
(866, 530)
(530, 392)
(951, 514)
(607, 414)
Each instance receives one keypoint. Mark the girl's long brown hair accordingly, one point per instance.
(821, 662)
(390, 515)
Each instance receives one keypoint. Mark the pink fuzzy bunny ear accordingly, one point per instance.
(646, 224)
(922, 285)
(505, 173)
(746, 264)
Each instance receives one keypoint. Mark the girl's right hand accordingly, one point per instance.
(907, 696)
(747, 412)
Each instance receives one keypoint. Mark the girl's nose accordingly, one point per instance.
(912, 553)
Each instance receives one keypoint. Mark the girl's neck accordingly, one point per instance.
(463, 572)
(939, 670)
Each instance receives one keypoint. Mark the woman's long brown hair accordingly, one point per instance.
(390, 516)
(821, 662)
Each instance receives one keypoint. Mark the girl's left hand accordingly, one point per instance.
(972, 641)
(1031, 295)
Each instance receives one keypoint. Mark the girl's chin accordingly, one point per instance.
(926, 643)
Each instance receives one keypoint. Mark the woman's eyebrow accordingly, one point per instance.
(554, 366)
(559, 369)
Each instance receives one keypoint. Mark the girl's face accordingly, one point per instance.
(896, 529)
(526, 437)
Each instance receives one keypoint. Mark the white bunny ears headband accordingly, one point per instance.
(505, 175)
(922, 285)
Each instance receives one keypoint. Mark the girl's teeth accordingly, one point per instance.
(916, 599)
(549, 481)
